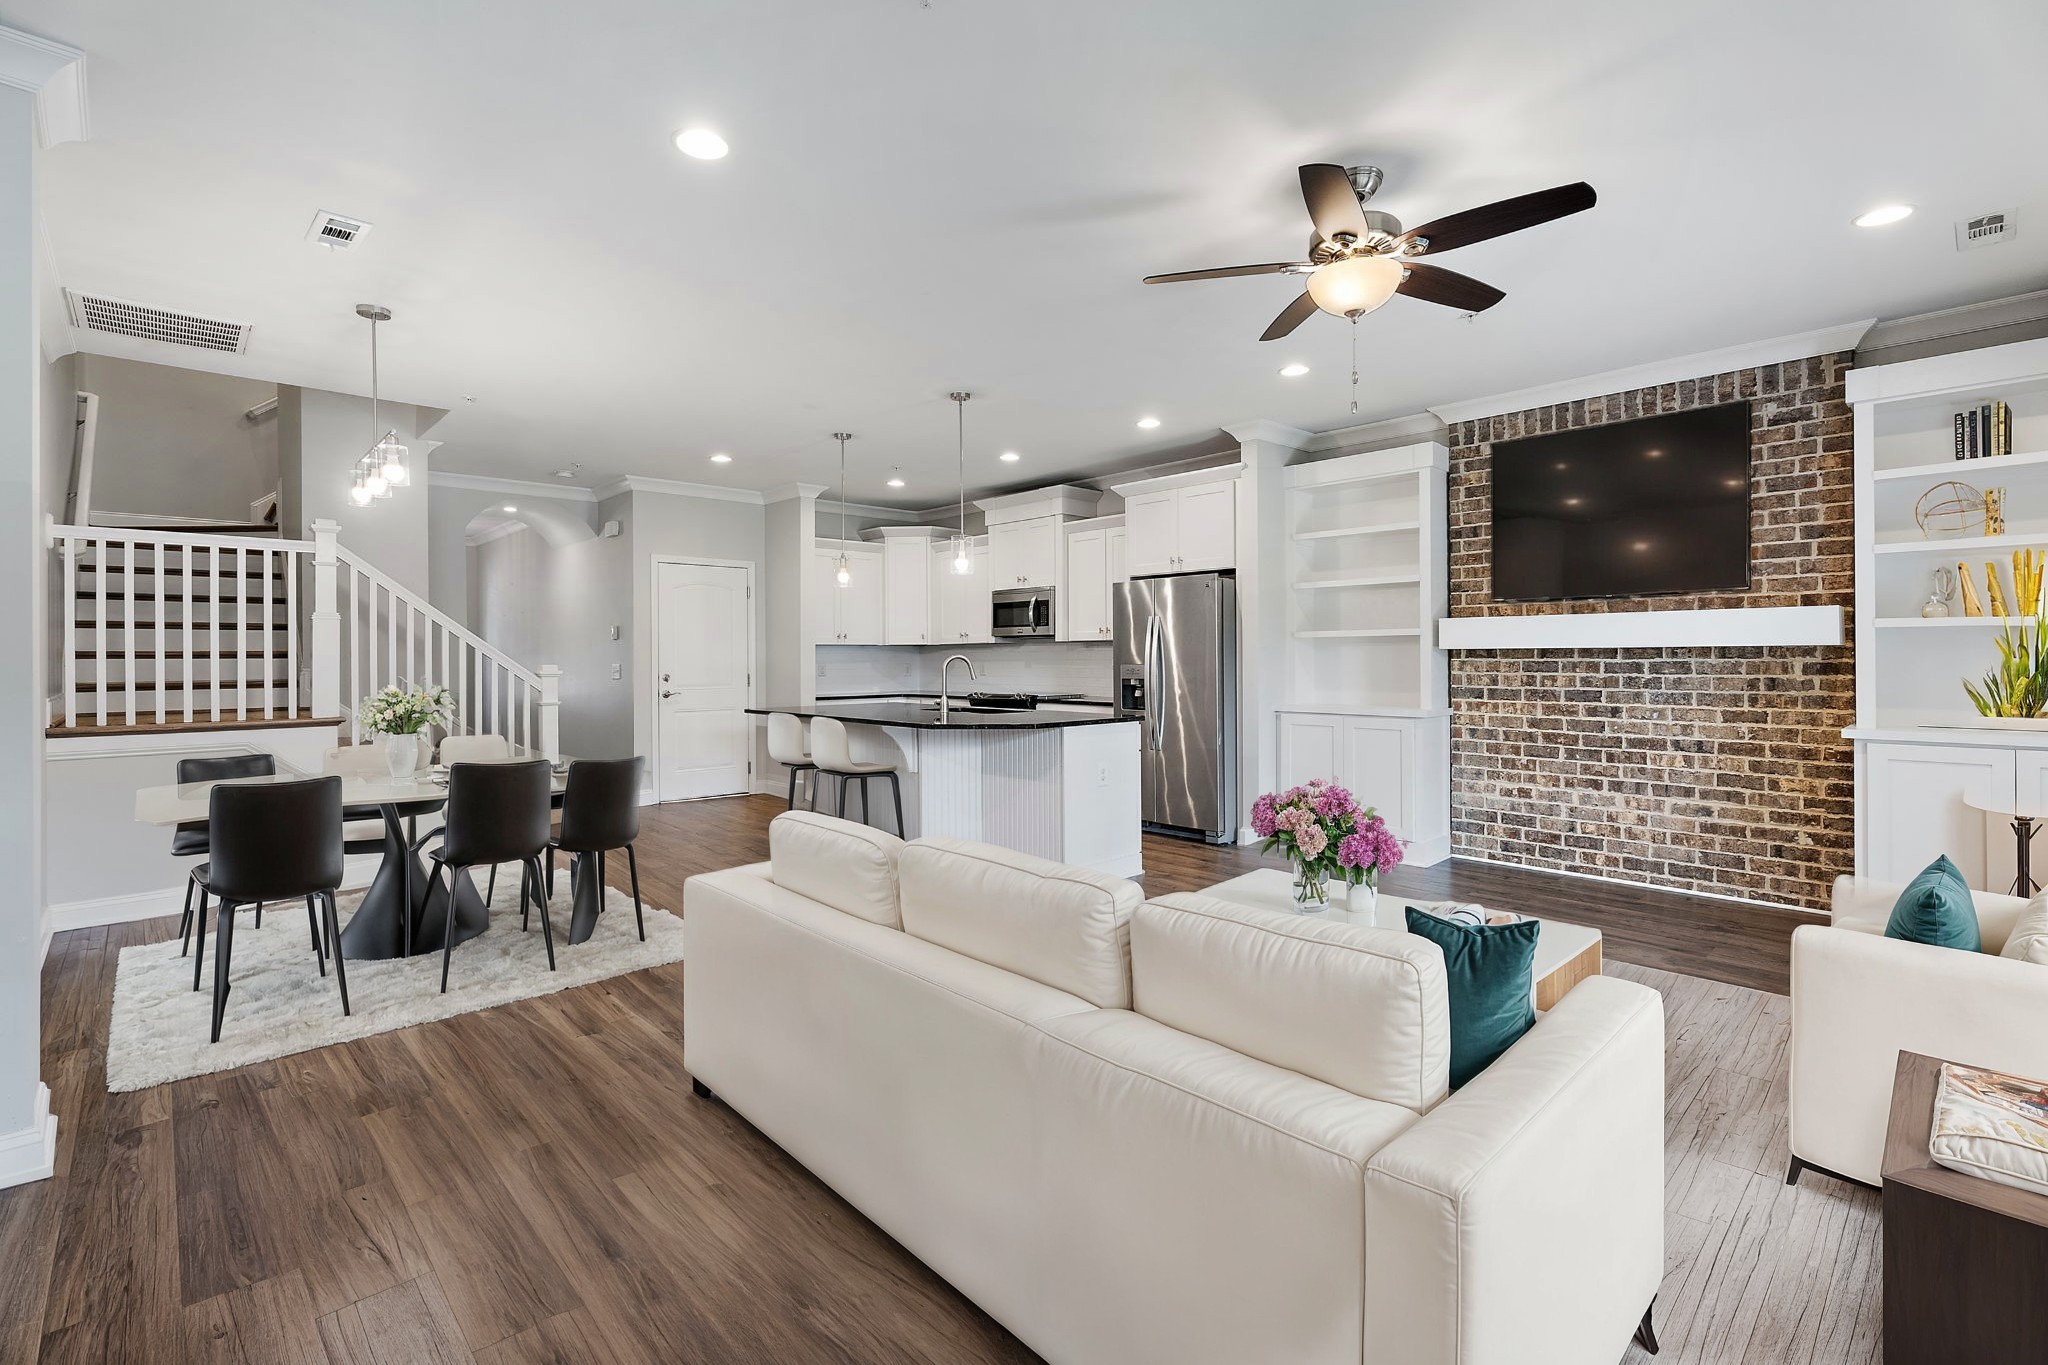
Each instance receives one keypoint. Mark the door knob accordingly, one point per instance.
(666, 694)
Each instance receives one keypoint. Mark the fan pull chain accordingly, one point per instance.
(1354, 364)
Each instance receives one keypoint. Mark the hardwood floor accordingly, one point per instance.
(535, 1182)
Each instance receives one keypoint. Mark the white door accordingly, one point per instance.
(1037, 554)
(1310, 747)
(1008, 552)
(1378, 765)
(1914, 809)
(1207, 528)
(907, 589)
(704, 633)
(1086, 599)
(1149, 525)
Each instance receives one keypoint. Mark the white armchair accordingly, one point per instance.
(1859, 999)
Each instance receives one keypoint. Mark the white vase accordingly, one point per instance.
(401, 754)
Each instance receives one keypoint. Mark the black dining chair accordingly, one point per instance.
(279, 841)
(600, 812)
(496, 813)
(189, 839)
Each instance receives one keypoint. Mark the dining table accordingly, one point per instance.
(404, 911)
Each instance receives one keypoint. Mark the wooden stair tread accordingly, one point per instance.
(250, 599)
(225, 685)
(181, 573)
(208, 528)
(149, 726)
(182, 654)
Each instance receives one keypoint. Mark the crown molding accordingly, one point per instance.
(1264, 429)
(55, 74)
(483, 483)
(1391, 431)
(867, 509)
(793, 490)
(2017, 317)
(676, 488)
(1748, 355)
(510, 528)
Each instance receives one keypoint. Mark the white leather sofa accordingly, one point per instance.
(1179, 1131)
(1859, 999)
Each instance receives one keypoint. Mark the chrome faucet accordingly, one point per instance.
(945, 701)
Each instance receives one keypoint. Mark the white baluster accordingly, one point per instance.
(328, 682)
(550, 710)
(161, 555)
(220, 627)
(132, 673)
(291, 635)
(70, 630)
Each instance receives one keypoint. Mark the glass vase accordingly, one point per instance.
(401, 755)
(1311, 888)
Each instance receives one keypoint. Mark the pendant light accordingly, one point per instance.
(843, 574)
(387, 465)
(963, 549)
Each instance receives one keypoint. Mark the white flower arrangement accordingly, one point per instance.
(395, 711)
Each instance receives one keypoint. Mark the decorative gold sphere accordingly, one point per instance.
(1950, 509)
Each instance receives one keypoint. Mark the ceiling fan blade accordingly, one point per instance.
(1508, 215)
(1291, 317)
(1332, 203)
(1434, 284)
(1225, 272)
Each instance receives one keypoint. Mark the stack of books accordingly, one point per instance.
(1983, 430)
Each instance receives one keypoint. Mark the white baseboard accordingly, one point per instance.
(357, 870)
(1428, 852)
(31, 1153)
(1730, 897)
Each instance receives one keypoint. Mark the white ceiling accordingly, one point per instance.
(934, 194)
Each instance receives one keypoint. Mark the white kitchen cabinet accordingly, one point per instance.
(907, 592)
(1095, 565)
(852, 614)
(1024, 554)
(960, 602)
(1912, 799)
(1397, 764)
(1190, 529)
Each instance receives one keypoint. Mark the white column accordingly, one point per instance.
(326, 623)
(41, 91)
(1268, 448)
(550, 710)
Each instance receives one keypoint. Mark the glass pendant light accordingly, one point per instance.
(962, 549)
(843, 574)
(359, 488)
(389, 463)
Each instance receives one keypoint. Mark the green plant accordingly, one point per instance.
(395, 711)
(2018, 687)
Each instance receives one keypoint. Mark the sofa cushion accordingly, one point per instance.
(1062, 926)
(1935, 908)
(2028, 941)
(847, 866)
(1489, 971)
(1361, 1009)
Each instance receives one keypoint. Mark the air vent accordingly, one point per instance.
(1985, 230)
(97, 313)
(336, 230)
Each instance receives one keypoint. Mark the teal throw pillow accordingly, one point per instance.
(1490, 972)
(1936, 908)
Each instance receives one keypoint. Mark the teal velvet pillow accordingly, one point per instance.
(1490, 971)
(1936, 908)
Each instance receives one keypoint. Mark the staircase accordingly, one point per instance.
(175, 629)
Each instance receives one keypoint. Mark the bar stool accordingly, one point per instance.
(787, 746)
(829, 752)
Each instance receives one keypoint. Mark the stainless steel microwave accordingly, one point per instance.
(1021, 612)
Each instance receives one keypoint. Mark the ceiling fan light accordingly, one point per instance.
(1355, 285)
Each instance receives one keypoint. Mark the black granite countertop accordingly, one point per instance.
(1062, 700)
(915, 716)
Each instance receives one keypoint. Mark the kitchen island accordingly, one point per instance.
(1055, 782)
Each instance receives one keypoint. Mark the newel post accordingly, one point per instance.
(326, 623)
(550, 676)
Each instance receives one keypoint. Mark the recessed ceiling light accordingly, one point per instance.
(1653, 454)
(469, 398)
(565, 473)
(1562, 465)
(1642, 545)
(701, 143)
(1733, 483)
(508, 507)
(1294, 371)
(1009, 457)
(721, 458)
(1884, 215)
(895, 483)
(1572, 502)
(1147, 423)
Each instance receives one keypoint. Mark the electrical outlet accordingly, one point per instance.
(1102, 774)
(618, 672)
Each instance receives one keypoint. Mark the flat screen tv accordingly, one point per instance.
(1630, 509)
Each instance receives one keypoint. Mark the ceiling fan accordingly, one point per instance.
(1358, 258)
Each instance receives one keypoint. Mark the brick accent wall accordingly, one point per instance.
(1719, 770)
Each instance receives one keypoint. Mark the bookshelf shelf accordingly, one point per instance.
(1959, 469)
(1369, 580)
(1339, 532)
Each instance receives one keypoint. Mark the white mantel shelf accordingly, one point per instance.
(1727, 628)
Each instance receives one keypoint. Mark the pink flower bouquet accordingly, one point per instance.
(1327, 835)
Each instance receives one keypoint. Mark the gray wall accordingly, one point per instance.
(175, 442)
(320, 437)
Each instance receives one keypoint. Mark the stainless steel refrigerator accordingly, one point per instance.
(1176, 672)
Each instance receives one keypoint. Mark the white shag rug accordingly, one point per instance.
(281, 1004)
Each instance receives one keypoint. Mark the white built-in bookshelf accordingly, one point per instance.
(1909, 666)
(1367, 690)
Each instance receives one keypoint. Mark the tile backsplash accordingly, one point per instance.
(1045, 666)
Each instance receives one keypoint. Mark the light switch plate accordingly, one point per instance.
(618, 672)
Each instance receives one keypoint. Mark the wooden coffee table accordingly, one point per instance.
(1566, 954)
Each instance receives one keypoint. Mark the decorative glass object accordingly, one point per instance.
(401, 754)
(1311, 893)
(1950, 508)
(1944, 591)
